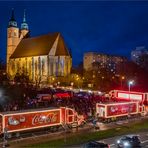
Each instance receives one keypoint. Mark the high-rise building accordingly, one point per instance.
(104, 60)
(38, 57)
(138, 53)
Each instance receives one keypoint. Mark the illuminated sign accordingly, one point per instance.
(130, 96)
(32, 120)
(61, 95)
(120, 109)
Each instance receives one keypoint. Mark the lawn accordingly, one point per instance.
(80, 138)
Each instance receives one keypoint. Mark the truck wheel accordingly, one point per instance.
(83, 124)
(70, 126)
(9, 135)
(53, 129)
(108, 120)
(105, 121)
(17, 135)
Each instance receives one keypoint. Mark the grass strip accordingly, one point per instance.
(80, 138)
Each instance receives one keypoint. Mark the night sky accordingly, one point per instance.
(105, 27)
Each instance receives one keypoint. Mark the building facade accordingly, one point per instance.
(103, 60)
(38, 57)
(138, 53)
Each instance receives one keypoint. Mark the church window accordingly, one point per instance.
(18, 67)
(13, 66)
(30, 64)
(15, 34)
(36, 67)
(43, 67)
(51, 68)
(62, 63)
(39, 65)
(9, 34)
(62, 66)
(57, 68)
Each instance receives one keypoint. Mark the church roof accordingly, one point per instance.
(41, 45)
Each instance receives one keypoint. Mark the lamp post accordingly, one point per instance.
(58, 83)
(78, 81)
(5, 138)
(122, 78)
(131, 82)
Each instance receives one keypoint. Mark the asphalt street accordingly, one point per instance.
(143, 137)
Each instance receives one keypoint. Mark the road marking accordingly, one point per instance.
(144, 141)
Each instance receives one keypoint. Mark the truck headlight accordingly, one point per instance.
(118, 141)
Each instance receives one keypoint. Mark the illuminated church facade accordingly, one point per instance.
(38, 57)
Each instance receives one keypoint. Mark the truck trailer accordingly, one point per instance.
(29, 120)
(120, 95)
(117, 110)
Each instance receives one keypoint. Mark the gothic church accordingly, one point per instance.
(38, 57)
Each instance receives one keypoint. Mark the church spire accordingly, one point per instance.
(12, 14)
(24, 25)
(12, 21)
(24, 19)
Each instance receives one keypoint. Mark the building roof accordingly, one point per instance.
(41, 45)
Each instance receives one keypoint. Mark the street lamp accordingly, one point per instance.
(72, 83)
(131, 82)
(58, 83)
(78, 81)
(122, 78)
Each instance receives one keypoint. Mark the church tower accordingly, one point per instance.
(12, 37)
(24, 27)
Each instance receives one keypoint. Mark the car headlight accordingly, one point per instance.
(126, 144)
(118, 141)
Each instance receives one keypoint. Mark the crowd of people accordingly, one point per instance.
(83, 103)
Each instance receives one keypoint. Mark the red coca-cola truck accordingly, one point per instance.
(19, 121)
(117, 110)
(120, 95)
(43, 97)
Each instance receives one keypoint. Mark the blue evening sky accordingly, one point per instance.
(107, 27)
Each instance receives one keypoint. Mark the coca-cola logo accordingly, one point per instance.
(40, 118)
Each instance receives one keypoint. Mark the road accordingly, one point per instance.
(112, 141)
(143, 136)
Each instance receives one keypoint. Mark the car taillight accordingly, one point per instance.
(108, 146)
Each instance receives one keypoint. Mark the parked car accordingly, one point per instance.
(129, 141)
(96, 144)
